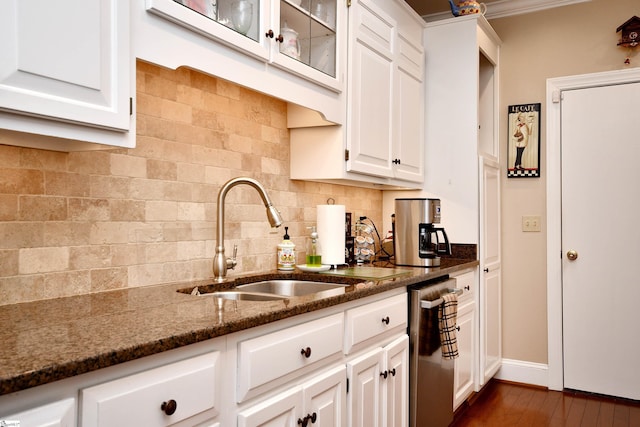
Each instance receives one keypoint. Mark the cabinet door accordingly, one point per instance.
(312, 40)
(325, 398)
(464, 365)
(365, 395)
(283, 410)
(66, 61)
(370, 89)
(490, 274)
(57, 414)
(396, 384)
(408, 124)
(217, 22)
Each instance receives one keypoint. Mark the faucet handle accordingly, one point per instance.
(231, 262)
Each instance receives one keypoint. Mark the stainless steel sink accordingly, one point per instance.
(244, 296)
(292, 288)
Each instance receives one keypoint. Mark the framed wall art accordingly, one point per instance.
(523, 154)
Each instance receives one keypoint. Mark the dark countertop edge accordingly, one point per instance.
(72, 368)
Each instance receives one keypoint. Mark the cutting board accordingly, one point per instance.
(370, 273)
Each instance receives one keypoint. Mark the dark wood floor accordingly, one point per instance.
(507, 404)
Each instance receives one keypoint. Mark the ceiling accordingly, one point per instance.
(428, 7)
(439, 9)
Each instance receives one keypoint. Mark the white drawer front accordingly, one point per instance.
(466, 282)
(137, 400)
(266, 358)
(377, 318)
(57, 414)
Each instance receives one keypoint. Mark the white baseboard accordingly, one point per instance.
(524, 372)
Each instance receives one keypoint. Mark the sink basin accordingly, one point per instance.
(273, 290)
(244, 296)
(292, 288)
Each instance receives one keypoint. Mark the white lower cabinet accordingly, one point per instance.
(464, 365)
(319, 402)
(467, 337)
(268, 358)
(345, 365)
(57, 414)
(158, 397)
(378, 386)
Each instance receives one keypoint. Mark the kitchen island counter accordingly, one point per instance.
(50, 340)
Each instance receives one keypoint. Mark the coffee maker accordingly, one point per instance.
(417, 241)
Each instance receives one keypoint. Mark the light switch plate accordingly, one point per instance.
(531, 223)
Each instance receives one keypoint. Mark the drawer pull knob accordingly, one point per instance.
(468, 287)
(385, 320)
(384, 374)
(306, 352)
(310, 417)
(269, 34)
(169, 407)
(393, 372)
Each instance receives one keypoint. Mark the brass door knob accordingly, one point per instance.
(572, 255)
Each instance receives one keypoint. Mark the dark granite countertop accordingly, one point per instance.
(50, 340)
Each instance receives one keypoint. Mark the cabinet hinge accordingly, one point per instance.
(130, 106)
(347, 385)
(348, 3)
(346, 155)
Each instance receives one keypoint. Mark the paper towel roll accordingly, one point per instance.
(331, 233)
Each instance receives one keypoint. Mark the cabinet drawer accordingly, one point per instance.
(266, 358)
(138, 399)
(466, 282)
(372, 320)
(58, 414)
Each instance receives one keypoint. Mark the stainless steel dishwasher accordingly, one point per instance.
(430, 376)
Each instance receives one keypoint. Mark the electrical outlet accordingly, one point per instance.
(531, 223)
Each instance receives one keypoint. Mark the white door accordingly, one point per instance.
(600, 202)
(490, 306)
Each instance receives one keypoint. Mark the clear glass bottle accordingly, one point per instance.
(314, 259)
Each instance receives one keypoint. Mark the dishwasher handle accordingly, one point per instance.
(436, 302)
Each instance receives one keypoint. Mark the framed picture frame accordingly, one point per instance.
(523, 153)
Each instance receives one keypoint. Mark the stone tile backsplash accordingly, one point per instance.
(83, 222)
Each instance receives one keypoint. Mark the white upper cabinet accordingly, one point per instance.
(386, 72)
(290, 49)
(65, 70)
(382, 143)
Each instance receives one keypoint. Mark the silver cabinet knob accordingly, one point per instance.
(572, 255)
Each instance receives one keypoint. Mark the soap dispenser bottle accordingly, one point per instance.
(314, 257)
(286, 252)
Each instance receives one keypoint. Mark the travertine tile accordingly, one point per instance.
(127, 165)
(161, 169)
(43, 260)
(147, 215)
(8, 207)
(8, 262)
(88, 209)
(21, 181)
(66, 233)
(66, 184)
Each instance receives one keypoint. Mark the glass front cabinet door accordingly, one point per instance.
(300, 36)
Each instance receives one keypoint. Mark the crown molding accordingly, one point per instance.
(504, 8)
